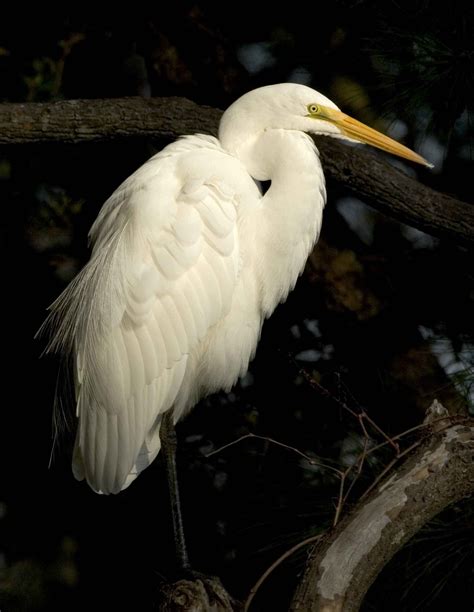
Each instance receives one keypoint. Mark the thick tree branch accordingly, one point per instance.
(364, 173)
(343, 565)
(395, 194)
(78, 121)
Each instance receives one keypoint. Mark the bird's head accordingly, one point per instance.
(296, 107)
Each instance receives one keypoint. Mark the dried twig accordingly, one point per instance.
(274, 565)
(309, 459)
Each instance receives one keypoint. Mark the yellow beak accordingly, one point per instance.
(363, 133)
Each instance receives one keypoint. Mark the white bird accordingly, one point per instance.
(189, 258)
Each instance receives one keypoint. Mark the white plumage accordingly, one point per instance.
(188, 259)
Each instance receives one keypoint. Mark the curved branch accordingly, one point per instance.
(343, 566)
(364, 173)
(389, 190)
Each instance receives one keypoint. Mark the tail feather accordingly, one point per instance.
(102, 483)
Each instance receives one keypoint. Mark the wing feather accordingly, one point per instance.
(171, 345)
(162, 274)
(147, 351)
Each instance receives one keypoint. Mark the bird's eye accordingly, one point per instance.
(313, 108)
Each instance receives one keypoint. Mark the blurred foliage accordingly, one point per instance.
(382, 318)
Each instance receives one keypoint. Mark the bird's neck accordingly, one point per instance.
(291, 213)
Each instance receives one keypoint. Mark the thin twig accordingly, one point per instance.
(310, 460)
(339, 499)
(274, 565)
(364, 415)
(360, 416)
(452, 419)
(322, 390)
(389, 467)
(360, 463)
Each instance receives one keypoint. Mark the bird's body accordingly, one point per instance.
(189, 258)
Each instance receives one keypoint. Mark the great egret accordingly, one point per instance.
(189, 258)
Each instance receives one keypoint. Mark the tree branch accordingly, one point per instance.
(78, 121)
(364, 173)
(343, 565)
(395, 194)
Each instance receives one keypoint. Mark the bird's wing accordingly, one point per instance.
(164, 266)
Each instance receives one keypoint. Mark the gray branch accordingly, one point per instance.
(343, 565)
(365, 174)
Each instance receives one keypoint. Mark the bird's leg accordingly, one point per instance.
(169, 444)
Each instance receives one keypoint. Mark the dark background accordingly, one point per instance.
(382, 318)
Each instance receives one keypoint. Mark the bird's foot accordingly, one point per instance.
(197, 592)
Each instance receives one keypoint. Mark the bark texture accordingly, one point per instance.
(78, 121)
